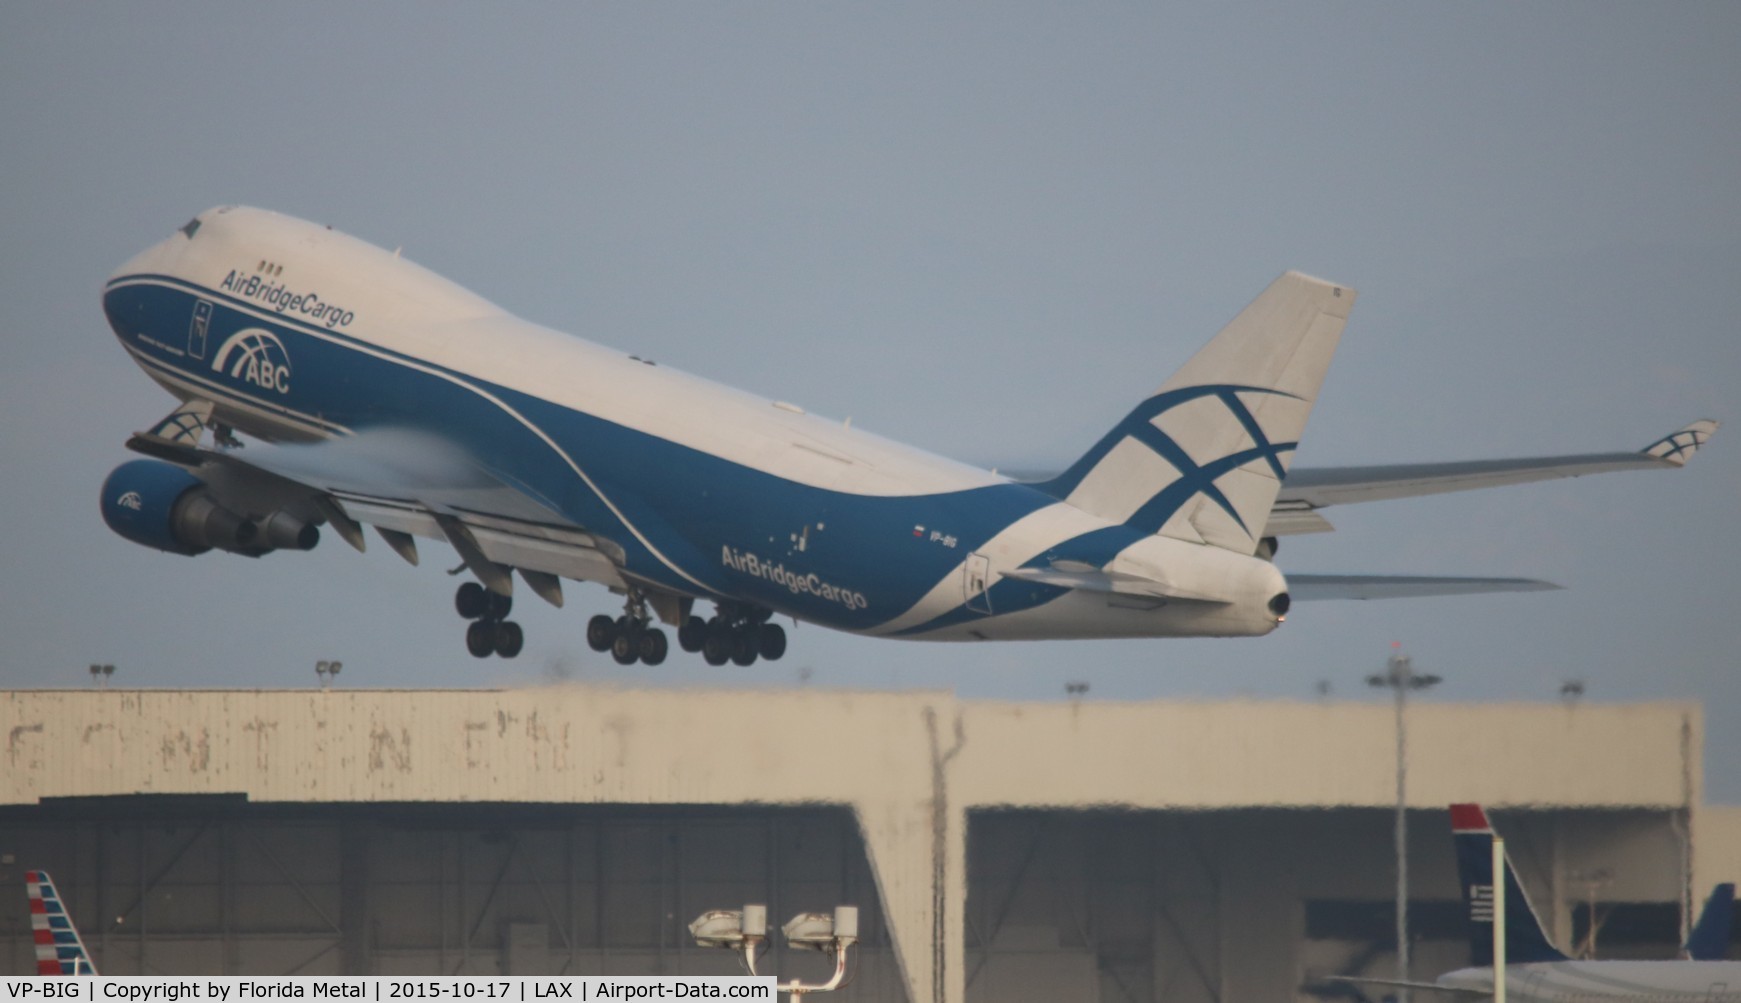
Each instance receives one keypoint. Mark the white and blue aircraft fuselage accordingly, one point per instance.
(386, 395)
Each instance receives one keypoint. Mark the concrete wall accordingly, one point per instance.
(911, 769)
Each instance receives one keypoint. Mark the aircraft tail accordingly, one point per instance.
(59, 951)
(1203, 458)
(1709, 940)
(1525, 940)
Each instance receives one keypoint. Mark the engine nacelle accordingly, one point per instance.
(163, 506)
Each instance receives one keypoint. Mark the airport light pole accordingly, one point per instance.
(1399, 676)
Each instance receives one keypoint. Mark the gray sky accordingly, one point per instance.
(986, 229)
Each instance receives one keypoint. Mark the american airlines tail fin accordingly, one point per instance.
(1524, 939)
(1709, 940)
(59, 951)
(1203, 458)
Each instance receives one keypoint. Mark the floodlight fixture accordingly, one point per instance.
(746, 931)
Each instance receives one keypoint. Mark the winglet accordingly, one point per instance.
(185, 425)
(1678, 447)
(177, 437)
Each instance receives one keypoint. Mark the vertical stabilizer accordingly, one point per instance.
(1203, 458)
(1525, 940)
(59, 951)
(1709, 940)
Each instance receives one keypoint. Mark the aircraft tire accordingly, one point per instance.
(771, 641)
(692, 635)
(480, 638)
(653, 646)
(743, 648)
(626, 648)
(601, 630)
(471, 601)
(717, 649)
(509, 639)
(500, 605)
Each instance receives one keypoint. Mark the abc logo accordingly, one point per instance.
(255, 355)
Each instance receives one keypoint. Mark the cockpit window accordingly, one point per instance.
(191, 228)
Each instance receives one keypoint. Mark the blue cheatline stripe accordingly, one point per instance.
(218, 395)
(1014, 595)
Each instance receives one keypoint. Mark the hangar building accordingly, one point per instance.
(1199, 852)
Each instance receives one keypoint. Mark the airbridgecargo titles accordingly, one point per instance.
(280, 298)
(794, 582)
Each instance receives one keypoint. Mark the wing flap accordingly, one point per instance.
(512, 543)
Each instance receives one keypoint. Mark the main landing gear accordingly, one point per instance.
(738, 634)
(628, 638)
(491, 632)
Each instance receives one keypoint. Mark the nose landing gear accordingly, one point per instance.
(491, 632)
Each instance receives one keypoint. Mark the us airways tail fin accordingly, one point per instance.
(1524, 939)
(1202, 459)
(59, 951)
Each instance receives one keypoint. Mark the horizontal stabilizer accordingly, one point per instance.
(1309, 587)
(1090, 579)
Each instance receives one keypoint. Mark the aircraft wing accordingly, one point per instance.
(1307, 490)
(406, 485)
(1307, 587)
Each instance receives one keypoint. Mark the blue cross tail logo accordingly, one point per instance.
(1193, 478)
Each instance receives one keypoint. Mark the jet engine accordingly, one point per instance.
(166, 507)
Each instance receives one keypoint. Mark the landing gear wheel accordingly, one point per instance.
(509, 639)
(653, 646)
(743, 648)
(717, 648)
(626, 648)
(480, 638)
(500, 605)
(771, 641)
(601, 630)
(471, 601)
(692, 635)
